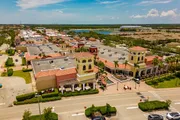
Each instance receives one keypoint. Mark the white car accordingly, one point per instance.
(173, 116)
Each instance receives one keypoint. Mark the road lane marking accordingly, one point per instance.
(177, 103)
(2, 104)
(78, 114)
(130, 108)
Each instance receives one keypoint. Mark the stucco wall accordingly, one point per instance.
(45, 82)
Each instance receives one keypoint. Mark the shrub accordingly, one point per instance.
(77, 93)
(26, 70)
(51, 99)
(52, 94)
(153, 105)
(88, 112)
(9, 62)
(25, 96)
(3, 74)
(35, 100)
(10, 72)
(104, 110)
(23, 61)
(10, 52)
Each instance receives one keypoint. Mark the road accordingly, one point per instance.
(73, 108)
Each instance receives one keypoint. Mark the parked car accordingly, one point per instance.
(1, 86)
(155, 117)
(137, 80)
(173, 116)
(99, 118)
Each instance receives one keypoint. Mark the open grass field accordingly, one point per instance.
(37, 117)
(169, 84)
(25, 75)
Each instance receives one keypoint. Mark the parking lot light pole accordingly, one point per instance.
(38, 96)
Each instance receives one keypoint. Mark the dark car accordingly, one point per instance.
(137, 80)
(155, 117)
(99, 118)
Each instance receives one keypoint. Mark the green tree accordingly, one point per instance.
(47, 113)
(155, 62)
(108, 109)
(26, 115)
(116, 65)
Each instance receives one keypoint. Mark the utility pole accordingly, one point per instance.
(38, 96)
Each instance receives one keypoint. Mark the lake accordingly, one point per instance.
(98, 31)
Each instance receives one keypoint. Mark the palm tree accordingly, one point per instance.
(47, 113)
(160, 65)
(135, 68)
(155, 62)
(116, 65)
(26, 115)
(125, 63)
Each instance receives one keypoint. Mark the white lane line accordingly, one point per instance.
(2, 103)
(78, 114)
(177, 103)
(130, 108)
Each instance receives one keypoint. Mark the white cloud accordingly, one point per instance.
(138, 16)
(109, 2)
(169, 13)
(28, 4)
(149, 2)
(151, 13)
(59, 11)
(155, 13)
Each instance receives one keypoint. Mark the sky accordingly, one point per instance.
(89, 11)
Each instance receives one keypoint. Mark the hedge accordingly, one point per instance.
(77, 93)
(10, 52)
(10, 72)
(25, 96)
(153, 105)
(23, 61)
(35, 100)
(102, 109)
(26, 70)
(54, 116)
(9, 62)
(52, 94)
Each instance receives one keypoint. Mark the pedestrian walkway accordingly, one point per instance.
(33, 82)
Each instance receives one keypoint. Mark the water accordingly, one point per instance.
(109, 81)
(104, 32)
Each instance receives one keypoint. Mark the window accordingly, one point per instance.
(84, 61)
(142, 58)
(132, 58)
(138, 53)
(134, 53)
(84, 67)
(90, 67)
(138, 58)
(89, 60)
(77, 66)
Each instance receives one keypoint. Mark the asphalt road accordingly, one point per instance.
(73, 108)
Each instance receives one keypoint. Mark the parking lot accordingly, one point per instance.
(12, 86)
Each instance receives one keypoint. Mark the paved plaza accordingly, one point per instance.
(12, 86)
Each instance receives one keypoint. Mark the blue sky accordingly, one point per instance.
(89, 11)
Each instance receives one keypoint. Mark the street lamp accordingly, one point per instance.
(38, 96)
(117, 86)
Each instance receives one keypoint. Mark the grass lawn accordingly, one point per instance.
(37, 117)
(168, 84)
(25, 75)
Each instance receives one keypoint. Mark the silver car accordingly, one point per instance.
(173, 116)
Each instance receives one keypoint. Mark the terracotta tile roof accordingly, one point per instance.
(66, 72)
(57, 72)
(150, 58)
(46, 73)
(137, 48)
(83, 55)
(111, 64)
(96, 69)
